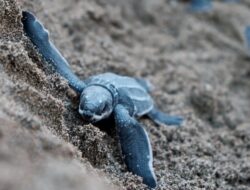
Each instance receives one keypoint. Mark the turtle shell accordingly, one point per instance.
(142, 101)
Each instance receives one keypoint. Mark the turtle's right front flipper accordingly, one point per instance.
(136, 148)
(39, 36)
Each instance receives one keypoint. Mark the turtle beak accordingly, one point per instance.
(86, 115)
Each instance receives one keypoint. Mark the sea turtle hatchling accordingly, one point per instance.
(108, 95)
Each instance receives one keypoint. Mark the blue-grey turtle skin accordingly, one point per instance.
(247, 38)
(109, 95)
(40, 37)
(200, 5)
(231, 1)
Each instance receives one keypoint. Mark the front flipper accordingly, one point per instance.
(39, 36)
(161, 118)
(135, 145)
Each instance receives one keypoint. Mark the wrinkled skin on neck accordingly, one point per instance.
(96, 103)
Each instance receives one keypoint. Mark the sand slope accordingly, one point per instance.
(196, 62)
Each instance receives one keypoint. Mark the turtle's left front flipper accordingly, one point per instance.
(135, 144)
(39, 36)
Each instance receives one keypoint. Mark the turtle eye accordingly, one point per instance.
(81, 107)
(104, 109)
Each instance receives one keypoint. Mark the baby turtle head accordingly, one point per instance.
(96, 103)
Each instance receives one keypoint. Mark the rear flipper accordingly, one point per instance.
(145, 84)
(231, 1)
(161, 118)
(247, 39)
(200, 5)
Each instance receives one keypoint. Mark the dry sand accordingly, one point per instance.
(196, 62)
